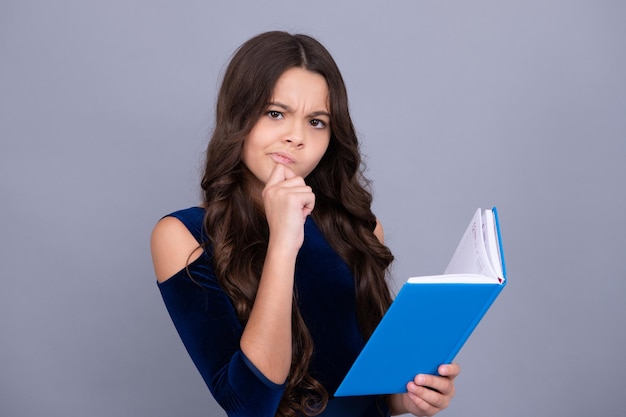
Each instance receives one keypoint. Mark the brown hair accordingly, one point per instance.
(237, 229)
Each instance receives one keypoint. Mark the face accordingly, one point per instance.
(295, 128)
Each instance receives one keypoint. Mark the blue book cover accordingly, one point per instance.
(430, 319)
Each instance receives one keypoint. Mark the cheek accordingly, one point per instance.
(320, 152)
(245, 153)
(324, 147)
(249, 155)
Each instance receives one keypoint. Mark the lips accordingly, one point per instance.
(282, 158)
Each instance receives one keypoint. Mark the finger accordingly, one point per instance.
(295, 183)
(297, 194)
(420, 406)
(288, 172)
(279, 173)
(285, 171)
(425, 397)
(309, 204)
(439, 384)
(450, 371)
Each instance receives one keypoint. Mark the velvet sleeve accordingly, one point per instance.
(208, 326)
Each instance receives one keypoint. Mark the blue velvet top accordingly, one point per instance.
(208, 326)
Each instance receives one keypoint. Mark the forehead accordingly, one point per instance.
(301, 86)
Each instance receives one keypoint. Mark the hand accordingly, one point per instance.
(287, 201)
(429, 394)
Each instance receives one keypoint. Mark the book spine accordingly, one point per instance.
(497, 221)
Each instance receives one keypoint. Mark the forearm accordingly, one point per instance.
(266, 339)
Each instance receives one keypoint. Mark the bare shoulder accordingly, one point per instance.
(172, 247)
(379, 232)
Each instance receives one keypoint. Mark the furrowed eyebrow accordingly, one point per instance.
(320, 113)
(289, 109)
(278, 104)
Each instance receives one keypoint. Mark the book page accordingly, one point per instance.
(491, 242)
(453, 279)
(470, 256)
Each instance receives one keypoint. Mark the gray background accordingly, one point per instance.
(105, 108)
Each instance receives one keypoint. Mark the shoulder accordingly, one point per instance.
(379, 232)
(173, 245)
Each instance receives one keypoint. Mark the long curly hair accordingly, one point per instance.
(237, 228)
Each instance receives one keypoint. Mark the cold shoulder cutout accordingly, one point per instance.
(173, 246)
(379, 232)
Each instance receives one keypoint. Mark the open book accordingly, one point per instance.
(432, 316)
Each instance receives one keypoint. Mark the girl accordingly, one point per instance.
(275, 283)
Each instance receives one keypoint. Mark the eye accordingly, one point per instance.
(274, 114)
(317, 123)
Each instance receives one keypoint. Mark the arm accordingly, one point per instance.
(245, 368)
(207, 323)
(267, 339)
(171, 245)
(379, 232)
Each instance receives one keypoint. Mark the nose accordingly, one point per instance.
(295, 135)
